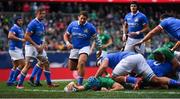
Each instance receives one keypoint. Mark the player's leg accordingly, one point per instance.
(73, 61)
(12, 72)
(21, 64)
(123, 68)
(30, 53)
(28, 64)
(16, 55)
(83, 56)
(165, 81)
(81, 67)
(36, 70)
(43, 61)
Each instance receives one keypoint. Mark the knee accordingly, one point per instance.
(155, 79)
(82, 63)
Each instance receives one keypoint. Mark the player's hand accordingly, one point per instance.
(45, 46)
(69, 46)
(104, 46)
(23, 40)
(104, 89)
(124, 37)
(70, 85)
(138, 43)
(40, 48)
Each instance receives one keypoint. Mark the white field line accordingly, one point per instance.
(127, 92)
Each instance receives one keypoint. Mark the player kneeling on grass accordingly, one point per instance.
(96, 84)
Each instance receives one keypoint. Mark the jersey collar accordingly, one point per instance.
(17, 25)
(83, 24)
(135, 13)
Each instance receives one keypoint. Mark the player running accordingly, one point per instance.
(77, 38)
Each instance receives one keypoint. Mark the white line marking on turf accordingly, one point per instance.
(43, 90)
(127, 92)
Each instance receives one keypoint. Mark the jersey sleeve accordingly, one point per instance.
(93, 30)
(106, 82)
(125, 19)
(163, 23)
(30, 27)
(87, 86)
(13, 30)
(144, 20)
(69, 28)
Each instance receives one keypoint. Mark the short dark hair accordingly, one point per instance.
(40, 9)
(85, 13)
(165, 15)
(134, 2)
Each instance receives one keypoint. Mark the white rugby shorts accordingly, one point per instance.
(74, 53)
(135, 63)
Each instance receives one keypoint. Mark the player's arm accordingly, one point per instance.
(109, 42)
(125, 31)
(102, 68)
(27, 37)
(176, 46)
(145, 29)
(156, 30)
(116, 86)
(97, 41)
(92, 47)
(12, 36)
(66, 40)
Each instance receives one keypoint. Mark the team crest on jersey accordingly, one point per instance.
(136, 20)
(86, 31)
(156, 63)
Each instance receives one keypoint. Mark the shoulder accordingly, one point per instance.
(32, 22)
(128, 14)
(74, 23)
(142, 14)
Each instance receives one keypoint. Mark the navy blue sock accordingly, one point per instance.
(35, 70)
(80, 80)
(21, 79)
(131, 80)
(38, 76)
(17, 72)
(48, 77)
(11, 75)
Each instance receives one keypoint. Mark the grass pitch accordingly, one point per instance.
(46, 92)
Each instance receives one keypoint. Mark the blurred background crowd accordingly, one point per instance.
(108, 17)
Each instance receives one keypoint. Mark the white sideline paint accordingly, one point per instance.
(135, 92)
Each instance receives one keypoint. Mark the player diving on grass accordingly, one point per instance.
(123, 63)
(96, 84)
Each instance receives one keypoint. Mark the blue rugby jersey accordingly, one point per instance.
(115, 58)
(81, 34)
(18, 32)
(160, 69)
(37, 28)
(171, 26)
(135, 23)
